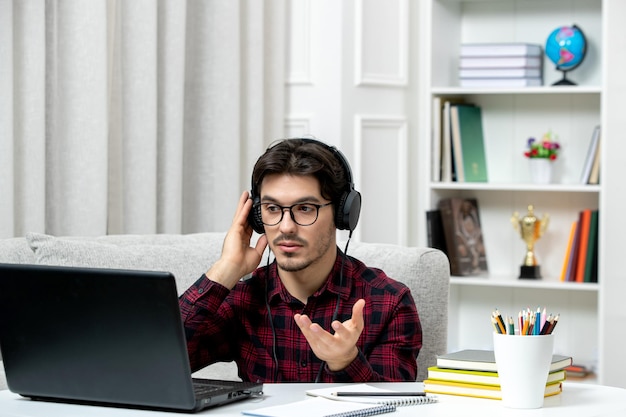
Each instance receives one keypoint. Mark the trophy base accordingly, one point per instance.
(529, 272)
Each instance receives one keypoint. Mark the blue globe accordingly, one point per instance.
(566, 47)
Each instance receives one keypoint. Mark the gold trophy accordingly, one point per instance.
(530, 229)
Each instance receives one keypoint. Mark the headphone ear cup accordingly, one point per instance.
(254, 217)
(348, 211)
(339, 224)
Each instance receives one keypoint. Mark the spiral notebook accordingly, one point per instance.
(321, 407)
(392, 399)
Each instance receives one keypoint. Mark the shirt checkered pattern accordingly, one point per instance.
(223, 325)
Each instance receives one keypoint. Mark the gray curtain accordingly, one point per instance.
(134, 116)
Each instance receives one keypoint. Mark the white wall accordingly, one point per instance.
(350, 84)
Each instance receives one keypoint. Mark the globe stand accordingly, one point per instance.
(564, 80)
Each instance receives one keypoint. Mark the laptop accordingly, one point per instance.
(101, 336)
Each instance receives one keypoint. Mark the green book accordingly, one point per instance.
(471, 140)
(592, 249)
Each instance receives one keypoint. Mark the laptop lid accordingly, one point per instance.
(99, 336)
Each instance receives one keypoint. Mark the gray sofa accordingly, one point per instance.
(424, 270)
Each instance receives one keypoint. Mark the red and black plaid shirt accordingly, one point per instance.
(223, 325)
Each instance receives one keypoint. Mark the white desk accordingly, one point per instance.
(576, 400)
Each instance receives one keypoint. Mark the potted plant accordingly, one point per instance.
(541, 153)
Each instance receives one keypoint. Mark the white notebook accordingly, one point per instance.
(392, 399)
(319, 406)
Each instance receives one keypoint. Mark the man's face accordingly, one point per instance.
(298, 247)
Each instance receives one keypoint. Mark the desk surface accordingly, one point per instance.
(576, 400)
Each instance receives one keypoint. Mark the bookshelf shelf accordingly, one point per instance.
(550, 188)
(508, 282)
(548, 90)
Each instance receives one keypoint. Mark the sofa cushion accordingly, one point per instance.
(15, 250)
(426, 272)
(185, 256)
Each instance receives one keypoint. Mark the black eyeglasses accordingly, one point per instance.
(303, 214)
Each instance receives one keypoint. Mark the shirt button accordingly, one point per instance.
(200, 290)
(303, 364)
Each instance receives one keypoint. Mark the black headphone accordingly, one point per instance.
(347, 212)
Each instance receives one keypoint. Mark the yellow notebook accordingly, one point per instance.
(492, 392)
(480, 377)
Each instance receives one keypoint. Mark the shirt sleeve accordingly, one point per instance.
(205, 317)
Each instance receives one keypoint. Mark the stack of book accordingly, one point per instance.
(501, 65)
(473, 373)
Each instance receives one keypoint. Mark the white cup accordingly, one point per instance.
(523, 363)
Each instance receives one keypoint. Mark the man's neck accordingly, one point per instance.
(302, 284)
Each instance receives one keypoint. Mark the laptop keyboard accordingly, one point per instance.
(203, 389)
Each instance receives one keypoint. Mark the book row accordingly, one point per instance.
(580, 263)
(501, 65)
(458, 141)
(591, 167)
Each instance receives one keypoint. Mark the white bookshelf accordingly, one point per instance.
(510, 116)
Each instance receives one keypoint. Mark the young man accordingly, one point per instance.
(314, 313)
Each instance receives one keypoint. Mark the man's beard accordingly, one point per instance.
(289, 263)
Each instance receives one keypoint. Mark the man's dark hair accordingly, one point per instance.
(304, 157)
